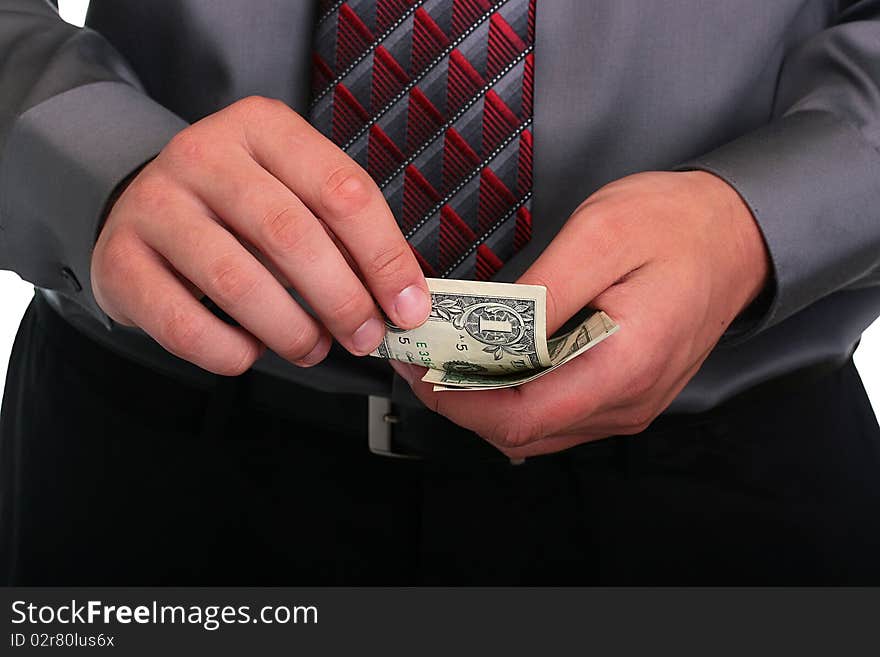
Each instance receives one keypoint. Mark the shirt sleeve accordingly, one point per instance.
(74, 123)
(811, 176)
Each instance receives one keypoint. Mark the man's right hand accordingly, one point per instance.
(237, 206)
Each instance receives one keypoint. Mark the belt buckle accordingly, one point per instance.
(380, 425)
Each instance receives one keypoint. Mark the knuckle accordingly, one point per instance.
(347, 191)
(640, 385)
(113, 256)
(644, 380)
(637, 420)
(256, 106)
(106, 274)
(187, 147)
(505, 435)
(283, 230)
(299, 344)
(554, 310)
(182, 333)
(240, 365)
(587, 212)
(229, 280)
(516, 429)
(598, 219)
(551, 302)
(390, 263)
(352, 307)
(149, 197)
(259, 113)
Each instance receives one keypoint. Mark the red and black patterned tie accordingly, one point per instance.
(434, 99)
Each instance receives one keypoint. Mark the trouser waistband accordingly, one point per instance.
(392, 429)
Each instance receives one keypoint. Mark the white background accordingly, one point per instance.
(15, 293)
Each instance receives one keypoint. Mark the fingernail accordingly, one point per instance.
(404, 370)
(412, 305)
(317, 354)
(368, 336)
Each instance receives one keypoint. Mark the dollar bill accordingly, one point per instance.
(475, 327)
(483, 335)
(587, 335)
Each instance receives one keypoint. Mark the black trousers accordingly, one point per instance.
(114, 474)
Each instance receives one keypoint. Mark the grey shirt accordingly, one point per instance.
(780, 98)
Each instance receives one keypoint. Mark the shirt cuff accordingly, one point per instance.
(810, 181)
(58, 168)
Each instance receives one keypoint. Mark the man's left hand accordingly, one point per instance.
(673, 258)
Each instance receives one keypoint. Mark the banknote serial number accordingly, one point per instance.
(423, 355)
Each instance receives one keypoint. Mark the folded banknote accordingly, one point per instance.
(485, 335)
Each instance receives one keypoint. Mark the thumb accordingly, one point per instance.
(581, 262)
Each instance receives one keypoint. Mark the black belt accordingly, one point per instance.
(404, 428)
(398, 430)
(408, 430)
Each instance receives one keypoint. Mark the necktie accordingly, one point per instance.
(434, 99)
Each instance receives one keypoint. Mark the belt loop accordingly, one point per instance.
(380, 427)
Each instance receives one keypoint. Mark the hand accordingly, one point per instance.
(237, 206)
(673, 258)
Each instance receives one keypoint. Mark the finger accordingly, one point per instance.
(149, 294)
(503, 417)
(635, 415)
(515, 434)
(631, 402)
(514, 417)
(464, 409)
(266, 214)
(626, 420)
(211, 258)
(550, 445)
(583, 260)
(276, 272)
(622, 420)
(617, 373)
(347, 200)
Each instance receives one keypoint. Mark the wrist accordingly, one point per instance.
(742, 245)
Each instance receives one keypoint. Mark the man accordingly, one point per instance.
(219, 201)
